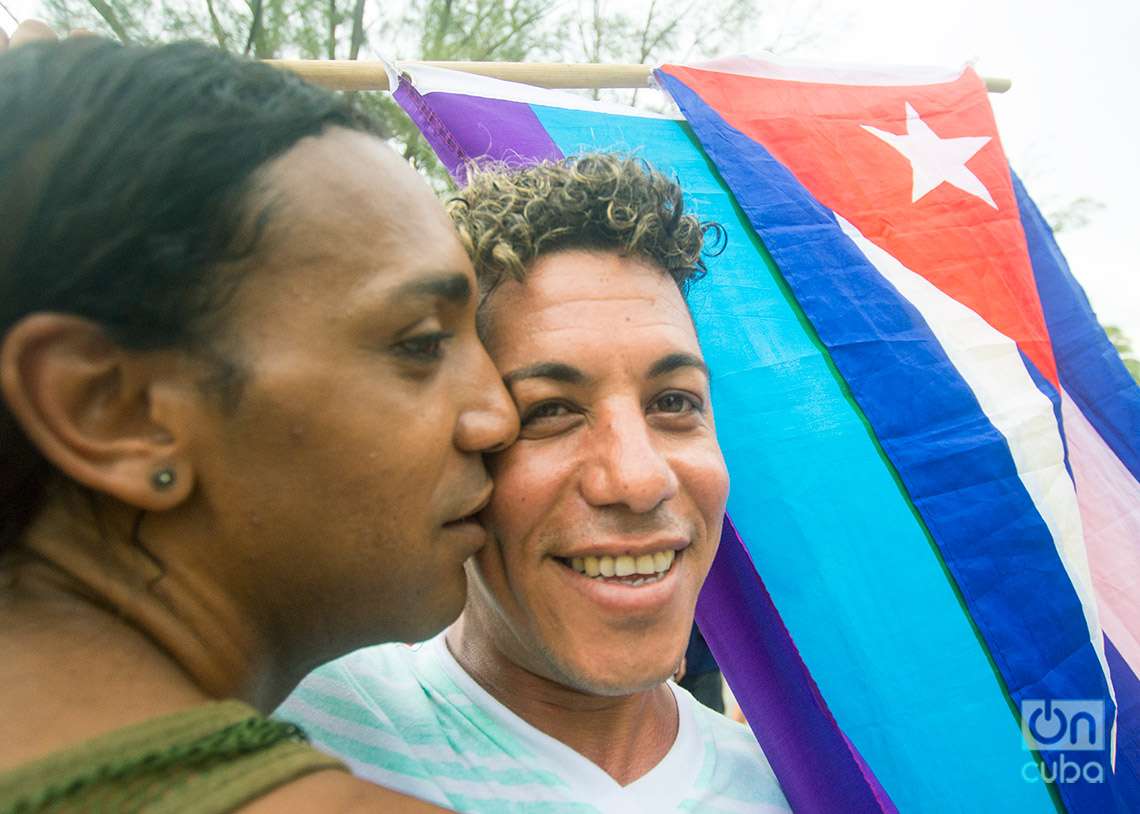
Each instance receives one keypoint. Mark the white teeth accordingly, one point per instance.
(646, 565)
(624, 566)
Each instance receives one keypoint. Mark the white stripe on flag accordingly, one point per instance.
(991, 365)
(429, 79)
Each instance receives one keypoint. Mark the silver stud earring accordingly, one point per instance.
(163, 479)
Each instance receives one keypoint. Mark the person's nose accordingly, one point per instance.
(489, 421)
(625, 466)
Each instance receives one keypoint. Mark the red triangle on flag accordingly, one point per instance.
(918, 169)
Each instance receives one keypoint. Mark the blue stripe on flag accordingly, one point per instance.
(1128, 727)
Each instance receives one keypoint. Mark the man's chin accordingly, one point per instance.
(612, 682)
(619, 688)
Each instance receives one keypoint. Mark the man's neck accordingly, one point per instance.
(624, 735)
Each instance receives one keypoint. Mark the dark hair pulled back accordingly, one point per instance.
(125, 176)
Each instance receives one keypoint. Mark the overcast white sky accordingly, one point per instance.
(1070, 124)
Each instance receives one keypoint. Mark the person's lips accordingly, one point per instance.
(477, 503)
(625, 574)
(624, 585)
(465, 526)
(626, 560)
(628, 568)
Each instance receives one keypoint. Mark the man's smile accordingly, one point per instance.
(628, 588)
(624, 569)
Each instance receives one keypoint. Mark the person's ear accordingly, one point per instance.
(97, 412)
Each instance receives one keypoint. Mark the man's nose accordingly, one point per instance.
(488, 421)
(624, 465)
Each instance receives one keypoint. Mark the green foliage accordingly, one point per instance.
(1124, 347)
(1074, 215)
(444, 30)
(479, 30)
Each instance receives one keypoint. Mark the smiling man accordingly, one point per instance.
(550, 693)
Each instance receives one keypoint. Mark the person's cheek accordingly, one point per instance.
(702, 471)
(524, 480)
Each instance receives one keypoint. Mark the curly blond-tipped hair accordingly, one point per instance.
(508, 217)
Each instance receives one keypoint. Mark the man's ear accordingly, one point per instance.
(96, 411)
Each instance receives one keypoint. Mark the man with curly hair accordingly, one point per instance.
(551, 692)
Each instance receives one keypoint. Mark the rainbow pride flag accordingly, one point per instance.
(928, 590)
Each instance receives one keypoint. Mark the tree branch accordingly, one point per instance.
(473, 29)
(331, 48)
(254, 26)
(649, 46)
(111, 19)
(645, 30)
(216, 26)
(357, 30)
(8, 11)
(441, 29)
(530, 20)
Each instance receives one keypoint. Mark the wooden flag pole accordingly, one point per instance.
(348, 74)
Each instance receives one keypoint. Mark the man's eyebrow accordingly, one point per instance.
(455, 288)
(556, 371)
(674, 361)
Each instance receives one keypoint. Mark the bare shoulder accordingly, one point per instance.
(336, 792)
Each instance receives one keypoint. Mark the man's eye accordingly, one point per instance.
(425, 347)
(549, 409)
(676, 403)
(549, 419)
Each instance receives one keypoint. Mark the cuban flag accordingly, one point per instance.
(927, 595)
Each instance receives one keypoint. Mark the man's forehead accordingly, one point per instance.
(579, 294)
(583, 341)
(586, 335)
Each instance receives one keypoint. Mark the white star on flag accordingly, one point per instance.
(934, 160)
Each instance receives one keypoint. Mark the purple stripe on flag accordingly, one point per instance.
(461, 128)
(819, 769)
